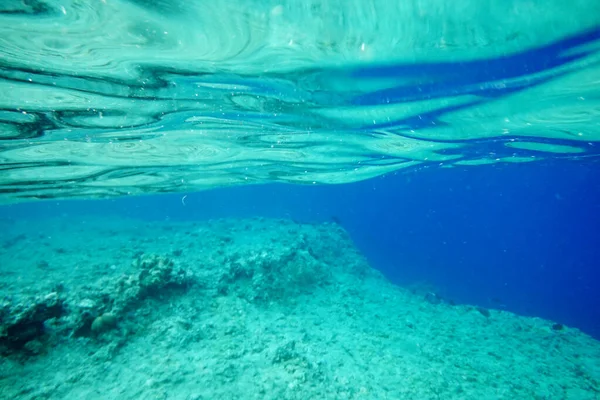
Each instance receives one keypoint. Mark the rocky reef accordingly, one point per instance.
(23, 324)
(271, 267)
(31, 324)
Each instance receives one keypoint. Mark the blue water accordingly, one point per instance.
(522, 238)
(131, 98)
(457, 143)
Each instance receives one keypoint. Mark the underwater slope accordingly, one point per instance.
(124, 97)
(253, 309)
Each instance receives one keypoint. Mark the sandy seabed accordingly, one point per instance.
(253, 309)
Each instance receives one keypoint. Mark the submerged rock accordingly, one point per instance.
(24, 322)
(104, 322)
(158, 273)
(89, 312)
(274, 273)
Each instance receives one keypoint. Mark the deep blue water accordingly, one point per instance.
(523, 237)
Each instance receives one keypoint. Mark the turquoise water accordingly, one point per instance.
(368, 199)
(126, 97)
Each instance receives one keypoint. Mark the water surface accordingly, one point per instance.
(123, 97)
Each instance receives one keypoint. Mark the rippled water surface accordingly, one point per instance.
(113, 97)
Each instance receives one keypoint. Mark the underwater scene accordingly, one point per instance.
(316, 199)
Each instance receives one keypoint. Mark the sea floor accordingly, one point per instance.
(253, 309)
